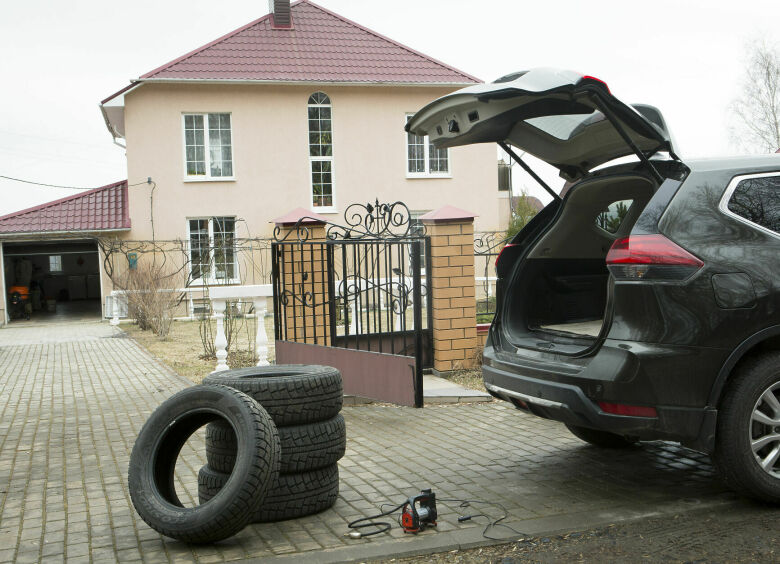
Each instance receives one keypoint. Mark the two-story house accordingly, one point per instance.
(301, 108)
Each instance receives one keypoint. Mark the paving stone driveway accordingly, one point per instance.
(73, 398)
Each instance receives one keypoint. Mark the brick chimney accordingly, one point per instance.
(281, 17)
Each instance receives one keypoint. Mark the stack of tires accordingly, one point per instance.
(304, 402)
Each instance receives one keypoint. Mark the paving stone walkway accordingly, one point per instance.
(73, 398)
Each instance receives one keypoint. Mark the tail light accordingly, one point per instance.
(498, 258)
(598, 80)
(650, 257)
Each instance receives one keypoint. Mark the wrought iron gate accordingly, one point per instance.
(356, 296)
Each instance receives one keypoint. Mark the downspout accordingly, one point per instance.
(528, 169)
(2, 285)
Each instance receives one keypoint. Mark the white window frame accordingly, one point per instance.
(426, 154)
(212, 279)
(333, 208)
(207, 154)
(58, 263)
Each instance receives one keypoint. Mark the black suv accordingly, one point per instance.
(645, 303)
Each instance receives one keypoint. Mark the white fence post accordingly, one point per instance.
(115, 308)
(352, 319)
(220, 340)
(261, 341)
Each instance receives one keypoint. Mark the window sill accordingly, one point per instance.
(207, 179)
(329, 209)
(200, 283)
(413, 176)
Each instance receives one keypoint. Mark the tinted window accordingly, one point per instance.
(758, 201)
(562, 127)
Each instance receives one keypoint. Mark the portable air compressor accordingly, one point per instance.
(419, 512)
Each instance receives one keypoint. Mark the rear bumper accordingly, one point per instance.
(570, 393)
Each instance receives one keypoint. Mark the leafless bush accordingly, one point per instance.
(240, 333)
(153, 294)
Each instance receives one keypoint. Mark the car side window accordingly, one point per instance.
(612, 217)
(758, 201)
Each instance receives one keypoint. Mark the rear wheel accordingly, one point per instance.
(747, 445)
(603, 439)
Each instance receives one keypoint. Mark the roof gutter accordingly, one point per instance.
(301, 82)
(111, 129)
(41, 235)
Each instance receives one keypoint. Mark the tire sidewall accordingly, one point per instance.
(208, 401)
(733, 448)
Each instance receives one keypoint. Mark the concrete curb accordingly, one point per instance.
(431, 542)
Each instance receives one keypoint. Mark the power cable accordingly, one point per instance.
(494, 523)
(370, 521)
(385, 526)
(61, 186)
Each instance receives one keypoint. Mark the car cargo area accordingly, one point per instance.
(558, 293)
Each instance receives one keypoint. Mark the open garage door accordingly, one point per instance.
(52, 281)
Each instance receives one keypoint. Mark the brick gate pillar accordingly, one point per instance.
(452, 281)
(304, 270)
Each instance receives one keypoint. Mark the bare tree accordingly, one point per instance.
(756, 112)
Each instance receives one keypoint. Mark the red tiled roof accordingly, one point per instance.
(321, 47)
(298, 214)
(447, 213)
(94, 210)
(535, 203)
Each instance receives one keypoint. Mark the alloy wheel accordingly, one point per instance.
(765, 430)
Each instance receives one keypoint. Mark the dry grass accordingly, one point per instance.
(471, 379)
(181, 349)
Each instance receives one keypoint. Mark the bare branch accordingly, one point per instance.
(756, 112)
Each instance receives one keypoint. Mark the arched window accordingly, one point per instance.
(321, 150)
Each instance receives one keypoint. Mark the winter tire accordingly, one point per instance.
(747, 443)
(153, 461)
(292, 394)
(603, 439)
(290, 497)
(304, 447)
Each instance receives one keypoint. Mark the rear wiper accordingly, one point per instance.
(601, 105)
(528, 169)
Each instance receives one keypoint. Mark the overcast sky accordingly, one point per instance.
(59, 59)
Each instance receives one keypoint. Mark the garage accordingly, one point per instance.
(52, 280)
(50, 265)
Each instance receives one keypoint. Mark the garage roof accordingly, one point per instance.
(101, 209)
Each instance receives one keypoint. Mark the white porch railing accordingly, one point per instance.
(258, 294)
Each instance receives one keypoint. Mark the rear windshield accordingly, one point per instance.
(566, 126)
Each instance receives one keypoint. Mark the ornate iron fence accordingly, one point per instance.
(487, 247)
(361, 286)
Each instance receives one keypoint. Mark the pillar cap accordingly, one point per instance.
(299, 214)
(447, 214)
